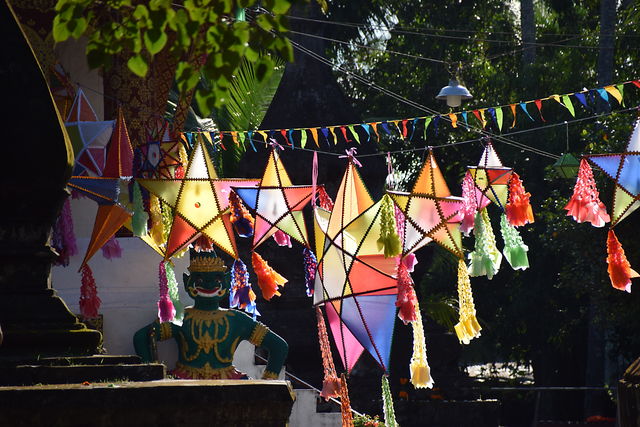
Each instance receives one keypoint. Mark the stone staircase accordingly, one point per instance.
(309, 410)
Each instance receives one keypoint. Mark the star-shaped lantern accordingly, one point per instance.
(89, 137)
(624, 170)
(354, 280)
(491, 178)
(277, 203)
(159, 156)
(200, 203)
(430, 211)
(110, 190)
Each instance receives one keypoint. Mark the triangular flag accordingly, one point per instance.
(523, 105)
(404, 129)
(499, 117)
(603, 94)
(354, 133)
(427, 121)
(374, 125)
(538, 103)
(366, 127)
(464, 117)
(344, 134)
(621, 90)
(513, 111)
(303, 138)
(583, 99)
(314, 136)
(615, 93)
(568, 104)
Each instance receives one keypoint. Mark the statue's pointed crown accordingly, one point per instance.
(205, 262)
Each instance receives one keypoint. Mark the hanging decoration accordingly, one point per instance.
(240, 218)
(159, 156)
(585, 205)
(310, 266)
(199, 202)
(387, 404)
(485, 258)
(419, 367)
(354, 281)
(518, 208)
(63, 239)
(331, 382)
(468, 327)
(172, 284)
(469, 204)
(431, 213)
(624, 170)
(268, 279)
(491, 178)
(620, 271)
(166, 311)
(345, 404)
(406, 300)
(241, 295)
(89, 137)
(515, 251)
(278, 205)
(110, 191)
(388, 241)
(89, 300)
(112, 249)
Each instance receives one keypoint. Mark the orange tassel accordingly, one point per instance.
(620, 271)
(518, 208)
(331, 383)
(345, 404)
(268, 278)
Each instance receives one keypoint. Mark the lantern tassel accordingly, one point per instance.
(585, 204)
(241, 295)
(268, 278)
(240, 218)
(63, 239)
(310, 267)
(486, 258)
(166, 311)
(419, 367)
(111, 249)
(89, 300)
(345, 403)
(331, 383)
(467, 327)
(406, 298)
(388, 240)
(157, 227)
(469, 204)
(172, 284)
(515, 251)
(282, 238)
(140, 216)
(620, 271)
(387, 404)
(518, 207)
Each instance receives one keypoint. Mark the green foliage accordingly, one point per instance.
(202, 34)
(365, 420)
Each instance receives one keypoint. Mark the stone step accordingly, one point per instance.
(154, 403)
(38, 374)
(99, 359)
(304, 412)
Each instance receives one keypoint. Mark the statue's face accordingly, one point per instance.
(209, 285)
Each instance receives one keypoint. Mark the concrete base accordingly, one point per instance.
(477, 413)
(154, 403)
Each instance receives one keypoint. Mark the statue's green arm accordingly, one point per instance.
(261, 336)
(143, 339)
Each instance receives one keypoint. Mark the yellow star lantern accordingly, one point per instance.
(200, 203)
(430, 212)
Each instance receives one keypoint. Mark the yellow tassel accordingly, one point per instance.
(468, 327)
(157, 228)
(419, 367)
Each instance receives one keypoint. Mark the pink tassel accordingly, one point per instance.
(89, 300)
(410, 262)
(585, 204)
(166, 311)
(112, 249)
(407, 299)
(282, 239)
(469, 205)
(64, 239)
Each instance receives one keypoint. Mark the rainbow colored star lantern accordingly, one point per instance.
(89, 137)
(278, 205)
(200, 203)
(159, 155)
(431, 213)
(354, 281)
(624, 170)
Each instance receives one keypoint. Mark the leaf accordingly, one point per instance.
(60, 31)
(138, 65)
(155, 40)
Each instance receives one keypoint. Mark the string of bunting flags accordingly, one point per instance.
(407, 127)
